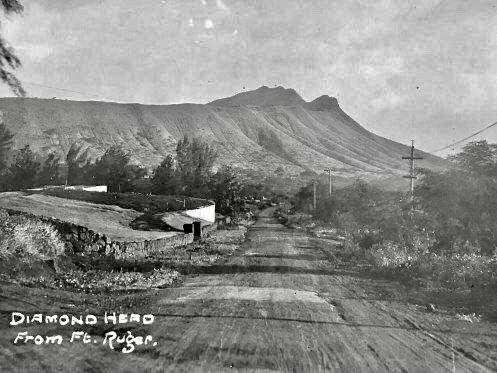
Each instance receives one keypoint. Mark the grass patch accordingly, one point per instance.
(138, 202)
(450, 270)
(101, 280)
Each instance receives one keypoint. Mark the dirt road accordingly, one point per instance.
(280, 305)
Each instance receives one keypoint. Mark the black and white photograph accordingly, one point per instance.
(248, 186)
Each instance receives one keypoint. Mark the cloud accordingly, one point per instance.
(203, 36)
(221, 5)
(208, 24)
(35, 52)
(388, 100)
(372, 55)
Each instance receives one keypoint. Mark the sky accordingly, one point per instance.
(422, 69)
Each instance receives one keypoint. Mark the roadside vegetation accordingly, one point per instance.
(33, 252)
(27, 245)
(445, 239)
(172, 185)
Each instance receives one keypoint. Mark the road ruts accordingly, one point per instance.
(277, 305)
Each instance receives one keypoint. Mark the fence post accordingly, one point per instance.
(197, 229)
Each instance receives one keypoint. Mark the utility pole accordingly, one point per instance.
(314, 200)
(329, 180)
(411, 175)
(453, 140)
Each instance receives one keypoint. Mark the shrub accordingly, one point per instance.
(31, 251)
(457, 270)
(346, 223)
(351, 251)
(28, 239)
(449, 270)
(98, 280)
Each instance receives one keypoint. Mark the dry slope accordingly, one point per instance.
(258, 130)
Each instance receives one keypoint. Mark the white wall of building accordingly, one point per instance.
(95, 188)
(207, 213)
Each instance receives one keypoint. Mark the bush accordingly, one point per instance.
(389, 255)
(457, 270)
(97, 280)
(449, 270)
(31, 251)
(447, 235)
(28, 239)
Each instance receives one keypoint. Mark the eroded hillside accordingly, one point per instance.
(260, 130)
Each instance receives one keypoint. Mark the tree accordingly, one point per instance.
(195, 160)
(227, 191)
(134, 176)
(79, 168)
(8, 59)
(360, 199)
(165, 179)
(458, 204)
(50, 170)
(5, 145)
(303, 199)
(478, 157)
(111, 168)
(23, 169)
(190, 174)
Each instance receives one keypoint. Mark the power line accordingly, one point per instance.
(466, 138)
(72, 91)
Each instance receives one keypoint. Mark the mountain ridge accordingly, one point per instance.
(261, 130)
(278, 96)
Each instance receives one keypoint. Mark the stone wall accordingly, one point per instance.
(80, 240)
(141, 250)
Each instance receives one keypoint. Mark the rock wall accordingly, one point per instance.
(82, 241)
(141, 250)
(78, 239)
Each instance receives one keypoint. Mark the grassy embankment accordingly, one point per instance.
(150, 206)
(134, 201)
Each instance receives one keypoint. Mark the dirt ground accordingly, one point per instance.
(278, 304)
